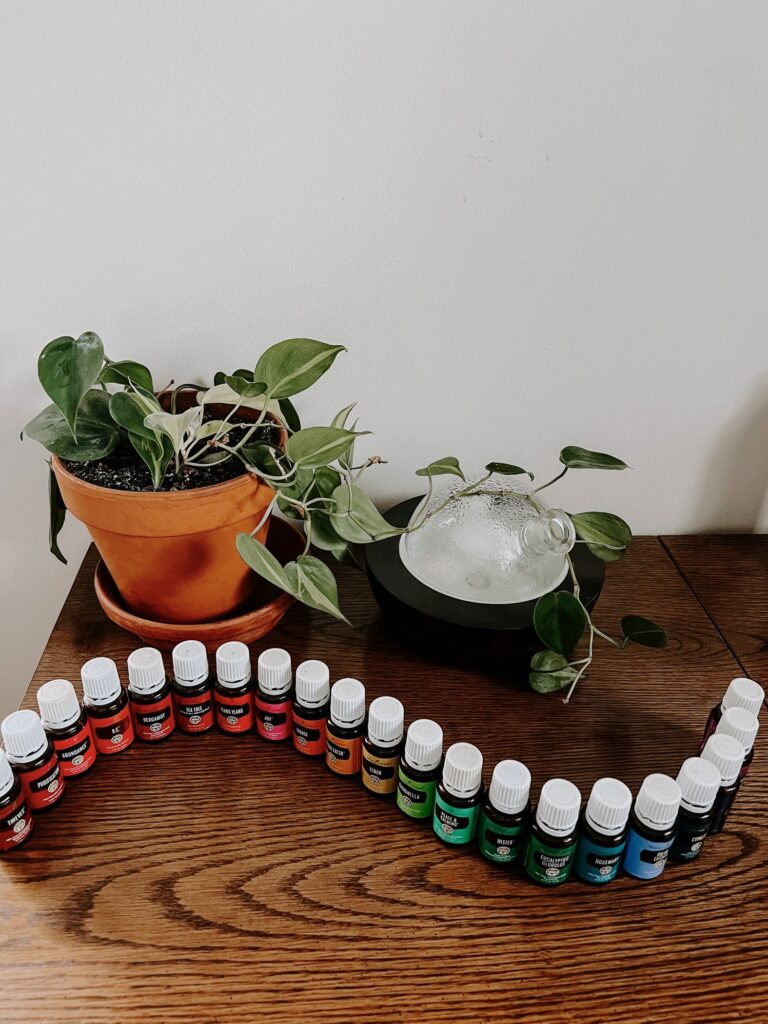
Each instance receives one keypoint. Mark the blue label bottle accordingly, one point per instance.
(603, 832)
(652, 827)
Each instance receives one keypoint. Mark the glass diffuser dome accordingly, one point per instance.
(490, 547)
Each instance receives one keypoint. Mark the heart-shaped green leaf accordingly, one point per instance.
(97, 434)
(317, 446)
(263, 562)
(607, 535)
(357, 519)
(245, 388)
(57, 514)
(449, 466)
(156, 453)
(559, 620)
(68, 368)
(129, 409)
(323, 534)
(550, 672)
(294, 365)
(506, 469)
(582, 458)
(314, 584)
(127, 372)
(642, 631)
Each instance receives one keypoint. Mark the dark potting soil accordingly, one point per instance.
(123, 470)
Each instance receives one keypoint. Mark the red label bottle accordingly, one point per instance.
(67, 726)
(16, 821)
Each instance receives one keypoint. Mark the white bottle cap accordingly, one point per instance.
(463, 769)
(23, 735)
(658, 801)
(741, 724)
(190, 663)
(743, 693)
(58, 703)
(385, 721)
(6, 774)
(727, 755)
(313, 684)
(699, 780)
(558, 809)
(424, 745)
(608, 806)
(101, 683)
(510, 787)
(233, 664)
(347, 702)
(146, 672)
(274, 670)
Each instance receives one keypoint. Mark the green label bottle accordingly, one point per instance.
(553, 837)
(547, 864)
(504, 817)
(415, 798)
(455, 825)
(459, 795)
(419, 769)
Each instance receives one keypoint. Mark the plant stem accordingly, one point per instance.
(265, 517)
(552, 481)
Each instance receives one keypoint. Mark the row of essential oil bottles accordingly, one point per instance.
(669, 817)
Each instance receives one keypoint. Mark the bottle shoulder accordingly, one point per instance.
(459, 801)
(64, 732)
(108, 710)
(151, 698)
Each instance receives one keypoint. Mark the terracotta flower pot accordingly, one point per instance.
(172, 554)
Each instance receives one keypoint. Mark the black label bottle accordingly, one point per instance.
(233, 690)
(603, 832)
(743, 726)
(383, 746)
(552, 839)
(16, 821)
(652, 827)
(505, 815)
(459, 795)
(345, 728)
(68, 727)
(149, 691)
(106, 704)
(727, 755)
(420, 770)
(311, 704)
(273, 695)
(192, 688)
(32, 755)
(699, 782)
(742, 693)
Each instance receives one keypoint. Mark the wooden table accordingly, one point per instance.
(219, 879)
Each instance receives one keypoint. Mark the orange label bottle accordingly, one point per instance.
(310, 708)
(345, 729)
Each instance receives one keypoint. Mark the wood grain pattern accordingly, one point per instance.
(219, 878)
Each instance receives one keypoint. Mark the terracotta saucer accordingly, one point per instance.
(269, 604)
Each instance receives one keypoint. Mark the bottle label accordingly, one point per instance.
(76, 753)
(44, 785)
(344, 756)
(598, 864)
(154, 721)
(309, 735)
(548, 865)
(16, 823)
(688, 842)
(273, 721)
(416, 798)
(194, 714)
(380, 773)
(234, 714)
(454, 825)
(499, 843)
(644, 858)
(114, 734)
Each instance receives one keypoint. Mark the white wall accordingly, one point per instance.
(532, 224)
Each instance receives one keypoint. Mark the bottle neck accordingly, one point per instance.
(551, 533)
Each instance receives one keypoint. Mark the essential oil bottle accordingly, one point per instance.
(149, 692)
(383, 745)
(741, 693)
(727, 755)
(192, 688)
(273, 695)
(32, 755)
(16, 821)
(652, 827)
(699, 782)
(420, 770)
(233, 690)
(553, 836)
(459, 795)
(106, 704)
(505, 814)
(743, 726)
(311, 703)
(68, 727)
(603, 832)
(345, 728)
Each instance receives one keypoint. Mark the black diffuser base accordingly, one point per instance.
(463, 631)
